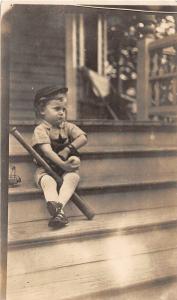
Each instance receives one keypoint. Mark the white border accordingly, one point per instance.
(93, 2)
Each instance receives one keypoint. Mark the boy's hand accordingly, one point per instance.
(75, 161)
(64, 153)
(70, 165)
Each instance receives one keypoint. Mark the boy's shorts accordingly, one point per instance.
(40, 172)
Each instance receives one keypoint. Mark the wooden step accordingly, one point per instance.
(84, 250)
(116, 182)
(30, 204)
(118, 151)
(94, 278)
(100, 255)
(38, 231)
(104, 133)
(165, 289)
(112, 162)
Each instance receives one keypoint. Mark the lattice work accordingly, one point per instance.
(162, 92)
(163, 77)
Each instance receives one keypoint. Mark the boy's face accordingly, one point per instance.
(55, 111)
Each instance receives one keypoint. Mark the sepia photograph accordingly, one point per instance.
(88, 150)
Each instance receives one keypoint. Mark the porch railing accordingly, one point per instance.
(157, 78)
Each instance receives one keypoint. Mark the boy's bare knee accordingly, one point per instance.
(47, 180)
(77, 176)
(73, 176)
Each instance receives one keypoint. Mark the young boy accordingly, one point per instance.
(57, 141)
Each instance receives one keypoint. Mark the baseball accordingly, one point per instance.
(74, 160)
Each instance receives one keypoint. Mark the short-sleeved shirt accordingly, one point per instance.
(58, 138)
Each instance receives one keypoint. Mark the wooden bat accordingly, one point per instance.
(84, 208)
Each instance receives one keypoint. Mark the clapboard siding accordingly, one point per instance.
(43, 52)
(37, 55)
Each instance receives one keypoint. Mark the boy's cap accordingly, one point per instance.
(49, 92)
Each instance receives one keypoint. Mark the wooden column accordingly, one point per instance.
(71, 64)
(102, 44)
(105, 43)
(99, 45)
(143, 80)
(5, 38)
(81, 41)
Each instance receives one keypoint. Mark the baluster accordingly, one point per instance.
(152, 93)
(173, 60)
(165, 63)
(160, 67)
(153, 63)
(170, 97)
(157, 93)
(162, 92)
(174, 90)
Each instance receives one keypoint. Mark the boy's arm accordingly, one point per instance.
(49, 153)
(79, 142)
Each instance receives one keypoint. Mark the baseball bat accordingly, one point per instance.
(84, 208)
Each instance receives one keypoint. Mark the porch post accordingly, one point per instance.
(102, 44)
(105, 43)
(71, 64)
(143, 80)
(99, 45)
(81, 41)
(5, 37)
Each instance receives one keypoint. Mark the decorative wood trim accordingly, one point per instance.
(71, 64)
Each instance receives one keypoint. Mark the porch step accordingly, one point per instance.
(165, 289)
(116, 182)
(23, 259)
(105, 133)
(21, 154)
(112, 161)
(28, 204)
(112, 254)
(38, 231)
(29, 207)
(95, 279)
(107, 241)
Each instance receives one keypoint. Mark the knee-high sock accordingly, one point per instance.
(49, 187)
(70, 182)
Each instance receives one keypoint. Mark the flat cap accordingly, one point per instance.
(49, 92)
